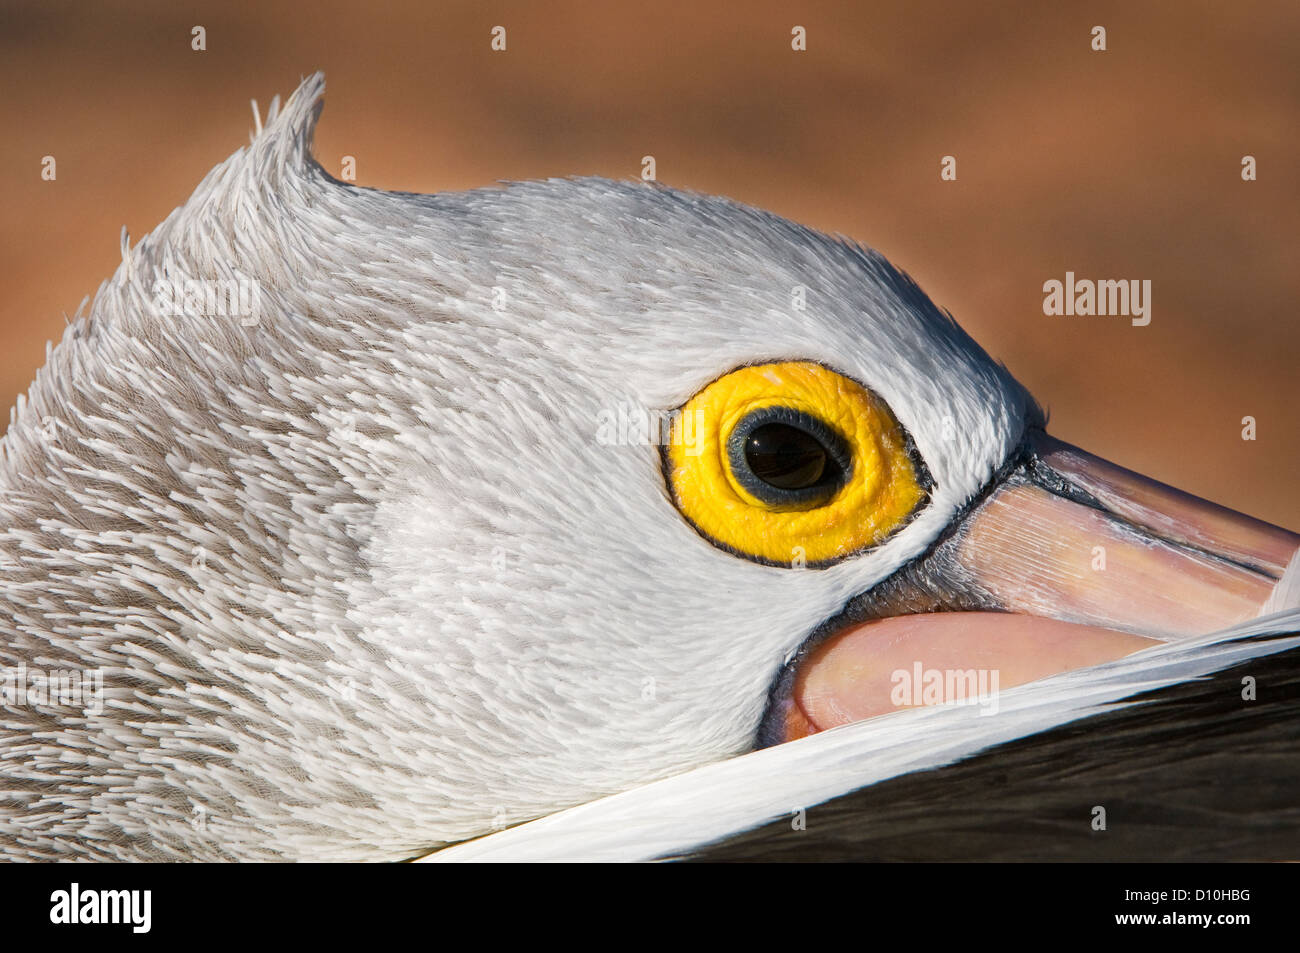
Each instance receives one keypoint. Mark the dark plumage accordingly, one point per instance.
(1188, 773)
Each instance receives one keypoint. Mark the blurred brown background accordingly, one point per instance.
(1122, 164)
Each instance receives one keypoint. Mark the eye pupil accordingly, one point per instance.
(788, 459)
(785, 457)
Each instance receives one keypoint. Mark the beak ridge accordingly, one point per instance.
(1072, 537)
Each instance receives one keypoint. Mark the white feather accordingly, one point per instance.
(678, 815)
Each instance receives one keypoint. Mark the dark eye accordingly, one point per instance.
(787, 458)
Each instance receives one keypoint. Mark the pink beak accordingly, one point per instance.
(1069, 561)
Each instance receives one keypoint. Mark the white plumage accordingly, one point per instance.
(361, 579)
(676, 816)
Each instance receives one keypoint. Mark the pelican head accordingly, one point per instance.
(494, 503)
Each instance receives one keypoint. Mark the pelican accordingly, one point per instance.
(563, 519)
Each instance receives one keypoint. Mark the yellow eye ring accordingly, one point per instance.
(792, 464)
